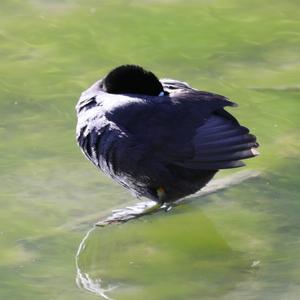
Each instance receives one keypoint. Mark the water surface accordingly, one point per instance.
(242, 243)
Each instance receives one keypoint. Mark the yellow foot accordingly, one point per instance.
(161, 193)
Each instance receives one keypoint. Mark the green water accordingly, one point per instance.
(242, 243)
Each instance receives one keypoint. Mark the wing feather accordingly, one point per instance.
(221, 143)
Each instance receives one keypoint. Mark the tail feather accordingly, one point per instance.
(221, 143)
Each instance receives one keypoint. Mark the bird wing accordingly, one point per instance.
(220, 143)
(188, 128)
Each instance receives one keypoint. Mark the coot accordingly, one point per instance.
(161, 139)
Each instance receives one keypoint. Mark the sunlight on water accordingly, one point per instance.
(83, 279)
(240, 243)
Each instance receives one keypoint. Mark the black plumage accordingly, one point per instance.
(160, 139)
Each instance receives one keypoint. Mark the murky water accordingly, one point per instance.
(242, 243)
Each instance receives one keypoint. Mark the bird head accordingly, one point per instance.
(132, 79)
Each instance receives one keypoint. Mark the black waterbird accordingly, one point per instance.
(161, 139)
